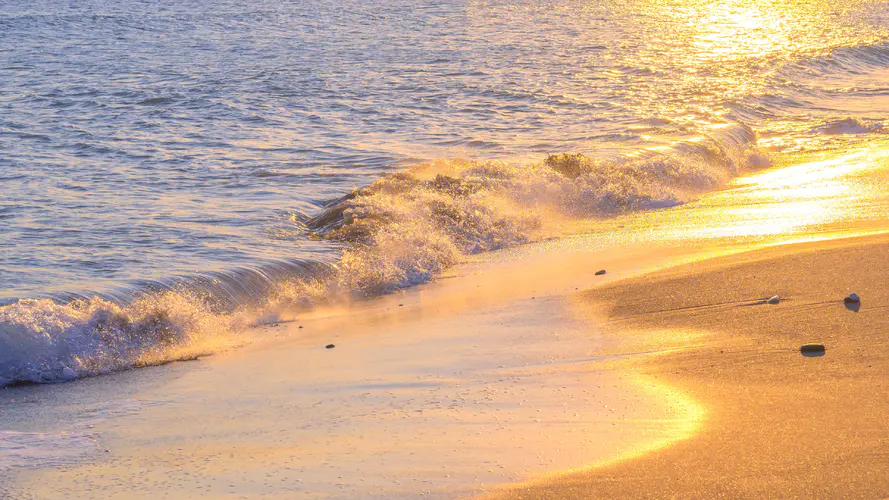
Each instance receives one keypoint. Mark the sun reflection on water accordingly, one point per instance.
(834, 192)
(723, 51)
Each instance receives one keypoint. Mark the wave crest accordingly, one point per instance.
(408, 227)
(401, 230)
(44, 341)
(850, 126)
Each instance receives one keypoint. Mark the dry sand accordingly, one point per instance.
(778, 424)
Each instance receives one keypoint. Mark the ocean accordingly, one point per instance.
(175, 171)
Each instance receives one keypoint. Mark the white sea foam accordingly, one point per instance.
(401, 230)
(406, 228)
(44, 341)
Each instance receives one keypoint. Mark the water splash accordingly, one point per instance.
(401, 230)
(45, 341)
(407, 228)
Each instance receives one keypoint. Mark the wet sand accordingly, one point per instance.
(481, 379)
(505, 371)
(778, 424)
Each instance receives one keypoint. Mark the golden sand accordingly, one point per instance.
(778, 424)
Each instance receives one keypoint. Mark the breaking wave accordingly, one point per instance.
(406, 228)
(401, 230)
(45, 341)
(850, 126)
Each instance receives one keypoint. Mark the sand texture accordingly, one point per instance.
(777, 424)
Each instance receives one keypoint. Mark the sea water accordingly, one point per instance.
(172, 171)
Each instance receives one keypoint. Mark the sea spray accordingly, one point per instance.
(401, 230)
(408, 227)
(44, 341)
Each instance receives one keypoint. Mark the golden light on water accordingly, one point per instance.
(798, 199)
(737, 30)
(734, 49)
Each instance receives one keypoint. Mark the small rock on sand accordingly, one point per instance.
(812, 348)
(329, 346)
(600, 273)
(853, 297)
(774, 300)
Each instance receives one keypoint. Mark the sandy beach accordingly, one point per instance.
(451, 250)
(778, 424)
(475, 381)
(525, 374)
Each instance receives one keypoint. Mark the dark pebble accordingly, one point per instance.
(812, 348)
(329, 346)
(600, 273)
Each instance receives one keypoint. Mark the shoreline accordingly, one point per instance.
(385, 412)
(261, 386)
(502, 287)
(778, 424)
(406, 371)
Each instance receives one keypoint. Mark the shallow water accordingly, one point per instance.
(425, 389)
(181, 148)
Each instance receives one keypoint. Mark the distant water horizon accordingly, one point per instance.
(168, 166)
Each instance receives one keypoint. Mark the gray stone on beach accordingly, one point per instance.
(774, 300)
(329, 346)
(600, 273)
(853, 297)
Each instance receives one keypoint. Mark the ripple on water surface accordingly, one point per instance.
(181, 141)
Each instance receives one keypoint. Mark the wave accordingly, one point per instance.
(849, 126)
(403, 229)
(822, 82)
(849, 59)
(45, 341)
(74, 335)
(406, 228)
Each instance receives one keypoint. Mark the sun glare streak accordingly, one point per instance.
(737, 30)
(795, 199)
